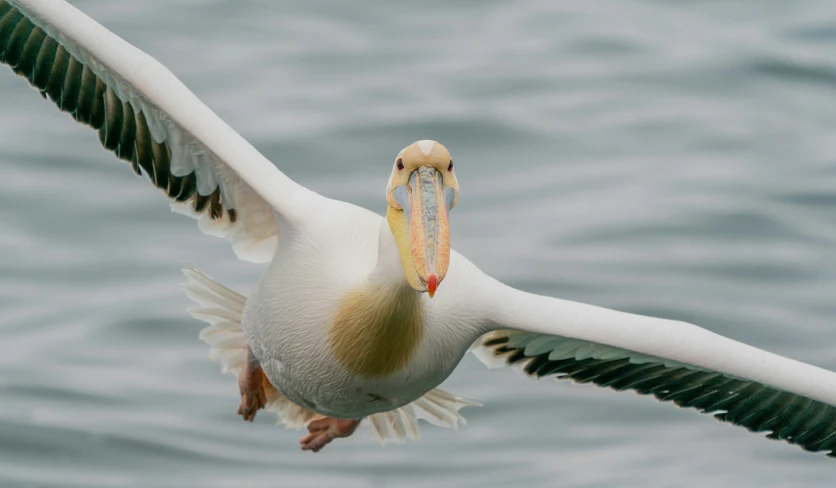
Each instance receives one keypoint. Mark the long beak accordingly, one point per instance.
(429, 226)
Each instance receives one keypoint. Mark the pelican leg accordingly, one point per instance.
(251, 381)
(322, 430)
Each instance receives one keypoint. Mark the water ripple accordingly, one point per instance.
(673, 159)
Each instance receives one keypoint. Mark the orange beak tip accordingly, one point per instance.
(432, 284)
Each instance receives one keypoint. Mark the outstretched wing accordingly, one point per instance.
(673, 361)
(147, 117)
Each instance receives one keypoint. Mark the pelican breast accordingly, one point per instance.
(377, 330)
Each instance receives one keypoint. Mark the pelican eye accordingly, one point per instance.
(400, 164)
(450, 168)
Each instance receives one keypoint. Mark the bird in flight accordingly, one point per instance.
(357, 316)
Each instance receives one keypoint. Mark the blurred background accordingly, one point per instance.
(668, 158)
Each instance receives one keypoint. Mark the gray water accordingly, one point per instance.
(668, 158)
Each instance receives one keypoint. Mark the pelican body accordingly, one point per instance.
(336, 325)
(359, 316)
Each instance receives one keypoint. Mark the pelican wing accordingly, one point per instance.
(148, 118)
(673, 361)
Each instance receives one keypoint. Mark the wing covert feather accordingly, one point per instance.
(673, 361)
(147, 117)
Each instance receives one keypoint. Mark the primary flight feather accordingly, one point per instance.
(360, 316)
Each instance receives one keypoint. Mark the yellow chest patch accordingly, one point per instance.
(377, 330)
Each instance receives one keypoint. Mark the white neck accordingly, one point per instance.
(388, 270)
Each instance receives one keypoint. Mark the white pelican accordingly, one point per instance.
(359, 316)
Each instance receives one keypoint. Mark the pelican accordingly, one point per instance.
(359, 316)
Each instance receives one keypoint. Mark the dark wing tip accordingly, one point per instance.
(792, 418)
(76, 89)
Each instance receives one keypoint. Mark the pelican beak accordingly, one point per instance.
(426, 203)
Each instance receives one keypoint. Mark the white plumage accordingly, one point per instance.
(222, 308)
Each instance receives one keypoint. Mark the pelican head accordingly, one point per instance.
(420, 193)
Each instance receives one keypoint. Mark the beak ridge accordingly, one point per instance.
(429, 226)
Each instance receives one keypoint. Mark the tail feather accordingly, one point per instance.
(222, 309)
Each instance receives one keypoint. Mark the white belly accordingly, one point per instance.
(287, 320)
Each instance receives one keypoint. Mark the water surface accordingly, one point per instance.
(667, 158)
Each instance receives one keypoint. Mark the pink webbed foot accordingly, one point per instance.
(323, 430)
(251, 381)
